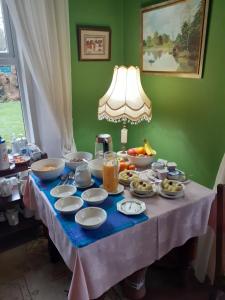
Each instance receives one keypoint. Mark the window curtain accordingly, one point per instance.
(42, 31)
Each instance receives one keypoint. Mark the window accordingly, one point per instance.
(11, 113)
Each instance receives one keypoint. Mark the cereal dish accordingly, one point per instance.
(125, 177)
(172, 187)
(141, 186)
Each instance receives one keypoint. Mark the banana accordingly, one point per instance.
(148, 149)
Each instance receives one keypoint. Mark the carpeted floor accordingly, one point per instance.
(27, 274)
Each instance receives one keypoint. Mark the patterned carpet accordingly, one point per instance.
(27, 274)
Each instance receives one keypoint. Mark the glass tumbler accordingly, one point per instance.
(110, 172)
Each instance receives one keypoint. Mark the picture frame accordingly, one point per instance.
(173, 35)
(94, 43)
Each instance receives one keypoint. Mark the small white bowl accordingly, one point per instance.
(141, 161)
(68, 205)
(38, 168)
(91, 217)
(64, 190)
(96, 167)
(94, 196)
(73, 160)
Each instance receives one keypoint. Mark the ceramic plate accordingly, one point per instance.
(85, 186)
(120, 189)
(131, 206)
(21, 160)
(68, 205)
(64, 190)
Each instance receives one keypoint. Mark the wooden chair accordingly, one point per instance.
(218, 290)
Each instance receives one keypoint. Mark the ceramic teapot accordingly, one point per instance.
(6, 187)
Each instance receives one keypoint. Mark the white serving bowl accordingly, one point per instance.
(91, 217)
(96, 167)
(73, 160)
(141, 161)
(68, 205)
(94, 196)
(64, 190)
(38, 168)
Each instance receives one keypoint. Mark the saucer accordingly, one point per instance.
(180, 195)
(151, 194)
(131, 206)
(85, 186)
(120, 189)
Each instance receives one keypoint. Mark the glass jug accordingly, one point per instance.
(110, 172)
(103, 143)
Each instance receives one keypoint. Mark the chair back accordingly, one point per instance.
(220, 232)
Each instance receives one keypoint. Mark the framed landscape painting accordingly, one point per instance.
(94, 42)
(173, 37)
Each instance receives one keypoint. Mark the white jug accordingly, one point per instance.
(83, 175)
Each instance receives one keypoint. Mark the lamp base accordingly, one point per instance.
(124, 133)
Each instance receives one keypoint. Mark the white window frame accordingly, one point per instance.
(12, 58)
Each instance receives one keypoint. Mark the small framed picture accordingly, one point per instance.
(94, 42)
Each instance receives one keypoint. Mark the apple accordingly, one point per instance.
(132, 152)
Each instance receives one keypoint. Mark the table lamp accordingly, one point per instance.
(125, 101)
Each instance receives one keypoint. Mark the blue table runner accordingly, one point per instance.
(81, 237)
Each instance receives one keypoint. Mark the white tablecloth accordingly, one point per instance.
(101, 265)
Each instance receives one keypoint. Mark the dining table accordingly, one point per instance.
(100, 263)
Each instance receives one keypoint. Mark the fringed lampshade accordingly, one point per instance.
(125, 99)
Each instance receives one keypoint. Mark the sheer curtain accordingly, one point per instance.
(42, 31)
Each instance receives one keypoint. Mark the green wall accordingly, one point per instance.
(188, 114)
(91, 79)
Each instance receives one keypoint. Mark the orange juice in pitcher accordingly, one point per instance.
(110, 172)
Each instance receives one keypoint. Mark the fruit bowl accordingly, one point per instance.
(141, 160)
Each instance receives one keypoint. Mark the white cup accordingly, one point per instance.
(83, 175)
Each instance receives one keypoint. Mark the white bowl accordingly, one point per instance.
(77, 157)
(96, 167)
(141, 161)
(94, 196)
(64, 190)
(91, 217)
(68, 205)
(39, 168)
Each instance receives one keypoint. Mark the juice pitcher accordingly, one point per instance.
(110, 172)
